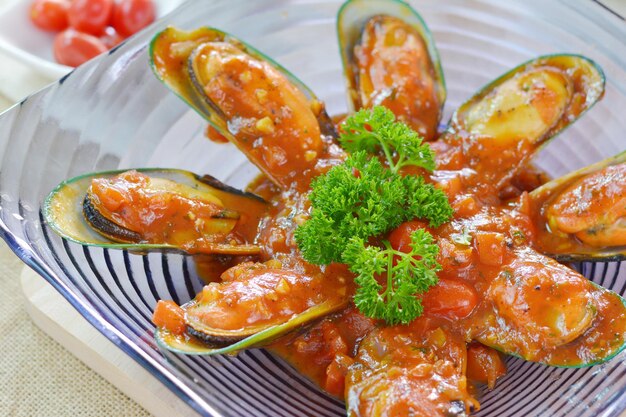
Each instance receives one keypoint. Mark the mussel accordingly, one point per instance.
(155, 209)
(254, 304)
(542, 311)
(499, 129)
(415, 368)
(582, 216)
(390, 59)
(269, 114)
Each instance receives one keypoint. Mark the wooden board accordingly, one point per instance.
(56, 317)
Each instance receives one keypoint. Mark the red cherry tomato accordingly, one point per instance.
(73, 48)
(50, 15)
(111, 38)
(130, 16)
(90, 16)
(400, 237)
(450, 299)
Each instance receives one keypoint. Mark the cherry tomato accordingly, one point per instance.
(111, 38)
(130, 16)
(50, 15)
(450, 299)
(74, 48)
(90, 16)
(400, 237)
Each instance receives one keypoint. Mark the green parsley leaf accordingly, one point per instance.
(426, 202)
(376, 130)
(357, 198)
(411, 274)
(362, 198)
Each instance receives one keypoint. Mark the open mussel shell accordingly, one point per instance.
(387, 367)
(271, 116)
(582, 215)
(172, 53)
(542, 311)
(69, 211)
(596, 356)
(352, 20)
(216, 341)
(503, 126)
(533, 102)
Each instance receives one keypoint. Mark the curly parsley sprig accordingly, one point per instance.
(376, 130)
(405, 274)
(360, 199)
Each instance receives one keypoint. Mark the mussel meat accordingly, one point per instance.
(155, 209)
(390, 59)
(254, 304)
(415, 368)
(542, 311)
(582, 216)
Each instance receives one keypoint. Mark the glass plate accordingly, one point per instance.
(112, 113)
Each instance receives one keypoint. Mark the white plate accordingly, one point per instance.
(23, 41)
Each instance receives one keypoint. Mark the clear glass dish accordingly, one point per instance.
(112, 113)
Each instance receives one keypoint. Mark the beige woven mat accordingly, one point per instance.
(38, 377)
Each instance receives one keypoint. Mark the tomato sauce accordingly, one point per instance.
(214, 135)
(489, 270)
(410, 90)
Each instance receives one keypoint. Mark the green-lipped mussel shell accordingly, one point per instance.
(567, 247)
(503, 126)
(542, 311)
(171, 56)
(351, 21)
(232, 342)
(272, 117)
(68, 211)
(504, 110)
(602, 355)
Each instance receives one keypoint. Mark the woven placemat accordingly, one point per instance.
(38, 377)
